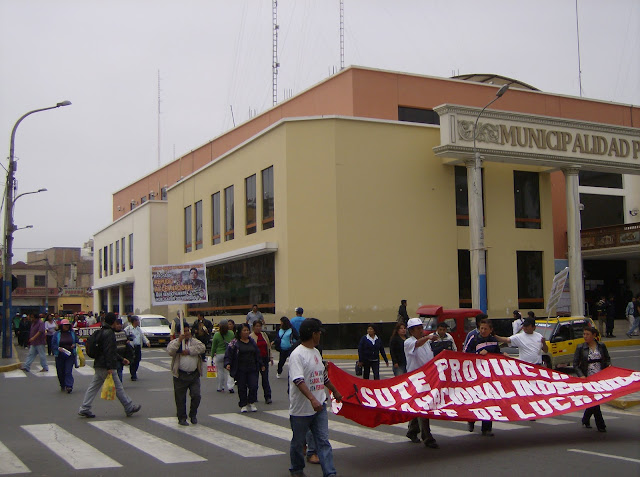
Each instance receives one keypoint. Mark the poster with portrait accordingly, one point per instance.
(178, 284)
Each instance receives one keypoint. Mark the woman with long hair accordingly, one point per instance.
(369, 351)
(63, 343)
(286, 339)
(396, 349)
(590, 358)
(242, 360)
(219, 344)
(264, 345)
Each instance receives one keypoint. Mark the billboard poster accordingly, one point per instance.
(178, 284)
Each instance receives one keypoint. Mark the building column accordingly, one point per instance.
(97, 295)
(109, 301)
(476, 235)
(121, 299)
(576, 286)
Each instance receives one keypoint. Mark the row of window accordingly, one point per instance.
(38, 281)
(251, 213)
(107, 257)
(152, 196)
(529, 273)
(526, 195)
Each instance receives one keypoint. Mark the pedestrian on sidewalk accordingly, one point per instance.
(297, 320)
(186, 367)
(50, 327)
(284, 343)
(106, 363)
(264, 345)
(25, 328)
(307, 409)
(36, 342)
(253, 316)
(137, 340)
(611, 316)
(219, 344)
(636, 318)
(64, 349)
(369, 350)
(242, 360)
(590, 358)
(403, 316)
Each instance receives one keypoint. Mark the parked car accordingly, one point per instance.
(563, 335)
(156, 328)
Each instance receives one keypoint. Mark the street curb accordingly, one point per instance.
(339, 356)
(624, 404)
(621, 343)
(13, 366)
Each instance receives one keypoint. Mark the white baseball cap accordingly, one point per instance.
(414, 322)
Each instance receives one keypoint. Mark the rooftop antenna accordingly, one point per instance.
(232, 117)
(578, 35)
(158, 118)
(341, 34)
(275, 65)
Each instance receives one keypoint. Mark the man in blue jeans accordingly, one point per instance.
(307, 396)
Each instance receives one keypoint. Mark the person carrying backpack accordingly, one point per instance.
(284, 343)
(101, 346)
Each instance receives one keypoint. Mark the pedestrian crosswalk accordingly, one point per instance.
(260, 431)
(87, 370)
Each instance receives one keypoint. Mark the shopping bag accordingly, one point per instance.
(358, 368)
(108, 389)
(80, 359)
(212, 371)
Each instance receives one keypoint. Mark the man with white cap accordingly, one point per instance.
(418, 353)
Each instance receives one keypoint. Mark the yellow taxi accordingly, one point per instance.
(563, 335)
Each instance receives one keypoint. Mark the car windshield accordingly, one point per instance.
(545, 329)
(146, 322)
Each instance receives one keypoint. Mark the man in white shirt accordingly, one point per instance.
(253, 316)
(530, 343)
(418, 353)
(307, 396)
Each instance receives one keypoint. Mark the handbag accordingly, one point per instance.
(80, 359)
(212, 370)
(108, 389)
(358, 369)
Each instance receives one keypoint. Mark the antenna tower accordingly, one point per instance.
(578, 35)
(158, 118)
(276, 65)
(341, 34)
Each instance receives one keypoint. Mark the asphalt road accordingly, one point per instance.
(227, 443)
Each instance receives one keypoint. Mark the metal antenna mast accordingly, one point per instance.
(158, 118)
(276, 65)
(578, 35)
(341, 34)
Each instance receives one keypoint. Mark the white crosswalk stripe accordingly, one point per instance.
(157, 448)
(9, 462)
(85, 371)
(152, 367)
(272, 430)
(16, 373)
(77, 453)
(228, 442)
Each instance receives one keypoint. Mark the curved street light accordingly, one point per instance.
(9, 228)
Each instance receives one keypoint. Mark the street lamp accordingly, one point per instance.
(22, 228)
(476, 223)
(9, 227)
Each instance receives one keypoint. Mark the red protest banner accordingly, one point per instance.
(468, 387)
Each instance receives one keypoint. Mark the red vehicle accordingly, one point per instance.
(460, 320)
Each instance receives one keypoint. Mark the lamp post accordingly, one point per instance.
(9, 228)
(476, 222)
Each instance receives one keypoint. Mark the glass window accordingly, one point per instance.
(530, 286)
(122, 251)
(163, 193)
(106, 261)
(267, 199)
(100, 262)
(578, 329)
(110, 259)
(117, 256)
(228, 214)
(133, 205)
(250, 195)
(198, 225)
(418, 115)
(464, 279)
(601, 210)
(130, 251)
(143, 199)
(563, 333)
(188, 238)
(215, 218)
(22, 281)
(526, 194)
(39, 281)
(600, 179)
(452, 324)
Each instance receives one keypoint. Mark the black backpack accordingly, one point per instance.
(93, 344)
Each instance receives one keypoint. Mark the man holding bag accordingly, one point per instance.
(105, 364)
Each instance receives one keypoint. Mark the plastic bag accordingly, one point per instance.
(108, 389)
(212, 370)
(80, 359)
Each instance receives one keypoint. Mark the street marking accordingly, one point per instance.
(85, 371)
(267, 428)
(152, 367)
(219, 439)
(157, 448)
(436, 430)
(350, 429)
(160, 390)
(166, 361)
(51, 372)
(9, 462)
(77, 453)
(503, 426)
(551, 421)
(16, 373)
(619, 457)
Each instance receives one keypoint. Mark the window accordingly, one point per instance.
(600, 179)
(601, 210)
(250, 193)
(130, 251)
(117, 256)
(464, 279)
(39, 281)
(122, 251)
(188, 238)
(100, 262)
(462, 196)
(163, 193)
(110, 259)
(530, 286)
(418, 115)
(198, 225)
(106, 261)
(228, 213)
(22, 281)
(133, 205)
(578, 329)
(215, 218)
(143, 199)
(526, 194)
(563, 333)
(267, 199)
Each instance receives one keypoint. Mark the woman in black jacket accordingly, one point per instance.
(369, 349)
(590, 358)
(242, 360)
(396, 349)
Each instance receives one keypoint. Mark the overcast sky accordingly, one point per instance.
(104, 57)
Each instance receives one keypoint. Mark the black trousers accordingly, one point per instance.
(266, 387)
(191, 382)
(135, 362)
(610, 323)
(420, 425)
(371, 365)
(595, 412)
(247, 381)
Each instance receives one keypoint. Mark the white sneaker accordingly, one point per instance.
(278, 375)
(253, 408)
(243, 409)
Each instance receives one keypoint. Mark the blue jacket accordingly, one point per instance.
(478, 343)
(55, 342)
(368, 351)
